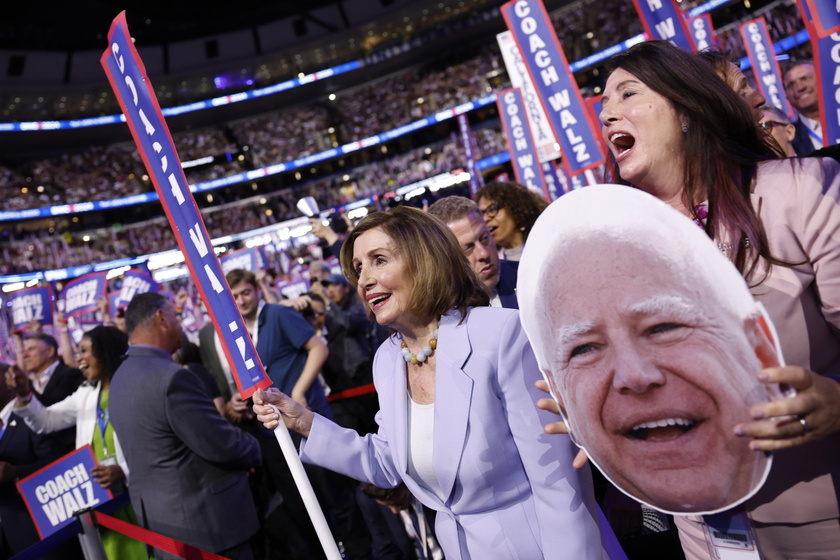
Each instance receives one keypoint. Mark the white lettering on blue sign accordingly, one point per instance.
(559, 101)
(521, 143)
(65, 494)
(81, 295)
(835, 84)
(175, 178)
(27, 308)
(666, 29)
(700, 35)
(758, 47)
(243, 262)
(133, 285)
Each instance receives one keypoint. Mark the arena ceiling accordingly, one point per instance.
(82, 25)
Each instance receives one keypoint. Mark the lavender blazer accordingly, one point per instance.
(510, 489)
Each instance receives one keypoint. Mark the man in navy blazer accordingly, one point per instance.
(22, 452)
(52, 381)
(463, 217)
(188, 465)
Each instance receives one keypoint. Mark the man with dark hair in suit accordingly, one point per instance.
(52, 381)
(188, 464)
(463, 217)
(22, 452)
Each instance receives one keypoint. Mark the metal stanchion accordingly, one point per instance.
(89, 537)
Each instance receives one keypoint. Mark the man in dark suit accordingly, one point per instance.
(188, 464)
(22, 452)
(463, 217)
(51, 380)
(802, 91)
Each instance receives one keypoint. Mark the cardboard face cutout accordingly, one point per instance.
(649, 339)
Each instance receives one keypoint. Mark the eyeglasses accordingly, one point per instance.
(768, 125)
(490, 212)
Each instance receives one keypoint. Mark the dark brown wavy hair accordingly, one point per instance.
(441, 276)
(721, 148)
(524, 205)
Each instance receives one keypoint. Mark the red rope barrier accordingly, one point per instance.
(154, 539)
(352, 392)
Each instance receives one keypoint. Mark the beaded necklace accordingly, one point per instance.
(420, 357)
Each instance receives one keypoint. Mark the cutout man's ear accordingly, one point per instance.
(758, 333)
(555, 392)
(552, 386)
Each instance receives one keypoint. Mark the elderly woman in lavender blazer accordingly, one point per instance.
(457, 422)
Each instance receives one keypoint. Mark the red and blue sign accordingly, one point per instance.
(523, 151)
(134, 91)
(32, 304)
(663, 19)
(82, 294)
(827, 67)
(252, 259)
(470, 153)
(555, 84)
(826, 18)
(768, 76)
(702, 32)
(292, 290)
(54, 493)
(135, 282)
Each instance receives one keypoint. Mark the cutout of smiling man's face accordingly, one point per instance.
(653, 375)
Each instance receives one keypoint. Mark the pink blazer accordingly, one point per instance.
(510, 489)
(798, 201)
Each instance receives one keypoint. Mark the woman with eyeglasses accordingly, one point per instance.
(775, 122)
(509, 210)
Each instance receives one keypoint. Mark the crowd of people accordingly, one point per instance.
(108, 172)
(684, 322)
(42, 250)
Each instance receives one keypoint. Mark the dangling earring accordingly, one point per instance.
(685, 128)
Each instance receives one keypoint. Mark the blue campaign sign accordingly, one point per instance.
(825, 17)
(246, 259)
(593, 108)
(32, 304)
(82, 294)
(135, 282)
(54, 493)
(113, 303)
(293, 289)
(553, 185)
(523, 151)
(554, 82)
(768, 76)
(133, 89)
(470, 151)
(827, 65)
(663, 19)
(702, 32)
